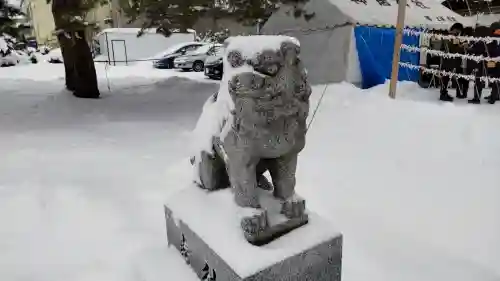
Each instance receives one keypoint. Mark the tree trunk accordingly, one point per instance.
(69, 66)
(86, 78)
(79, 67)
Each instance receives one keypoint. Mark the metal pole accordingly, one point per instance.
(397, 45)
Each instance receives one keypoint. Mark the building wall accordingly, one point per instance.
(43, 21)
(99, 15)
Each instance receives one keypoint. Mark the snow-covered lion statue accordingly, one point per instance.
(257, 123)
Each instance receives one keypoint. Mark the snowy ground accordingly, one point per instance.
(413, 184)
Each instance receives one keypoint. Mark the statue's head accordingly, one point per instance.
(254, 73)
(267, 61)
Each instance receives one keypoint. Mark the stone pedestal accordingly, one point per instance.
(205, 227)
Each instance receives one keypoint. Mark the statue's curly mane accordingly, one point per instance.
(271, 101)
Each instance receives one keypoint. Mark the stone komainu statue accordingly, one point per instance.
(271, 94)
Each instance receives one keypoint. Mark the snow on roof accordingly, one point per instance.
(133, 30)
(127, 30)
(426, 13)
(485, 19)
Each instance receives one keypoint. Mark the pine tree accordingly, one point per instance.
(214, 36)
(71, 29)
(166, 16)
(253, 12)
(171, 15)
(8, 12)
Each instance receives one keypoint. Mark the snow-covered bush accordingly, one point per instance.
(9, 59)
(43, 49)
(8, 56)
(214, 37)
(24, 57)
(55, 56)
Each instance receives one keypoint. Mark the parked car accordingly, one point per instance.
(165, 59)
(195, 60)
(55, 56)
(213, 65)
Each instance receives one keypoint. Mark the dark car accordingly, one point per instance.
(213, 65)
(165, 60)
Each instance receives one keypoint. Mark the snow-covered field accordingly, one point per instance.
(413, 184)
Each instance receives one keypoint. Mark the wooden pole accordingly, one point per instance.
(397, 45)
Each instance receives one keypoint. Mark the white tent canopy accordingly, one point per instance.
(485, 19)
(328, 45)
(424, 13)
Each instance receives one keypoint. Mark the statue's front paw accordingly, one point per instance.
(293, 208)
(256, 223)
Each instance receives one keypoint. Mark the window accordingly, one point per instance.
(188, 48)
(192, 47)
(214, 50)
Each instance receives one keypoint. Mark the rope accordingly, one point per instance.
(106, 67)
(317, 107)
(318, 29)
(125, 61)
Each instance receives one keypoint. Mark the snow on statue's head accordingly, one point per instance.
(268, 86)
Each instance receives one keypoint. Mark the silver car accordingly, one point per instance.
(195, 60)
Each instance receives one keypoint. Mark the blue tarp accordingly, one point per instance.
(375, 48)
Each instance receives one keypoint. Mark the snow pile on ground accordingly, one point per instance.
(50, 72)
(28, 78)
(82, 182)
(412, 183)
